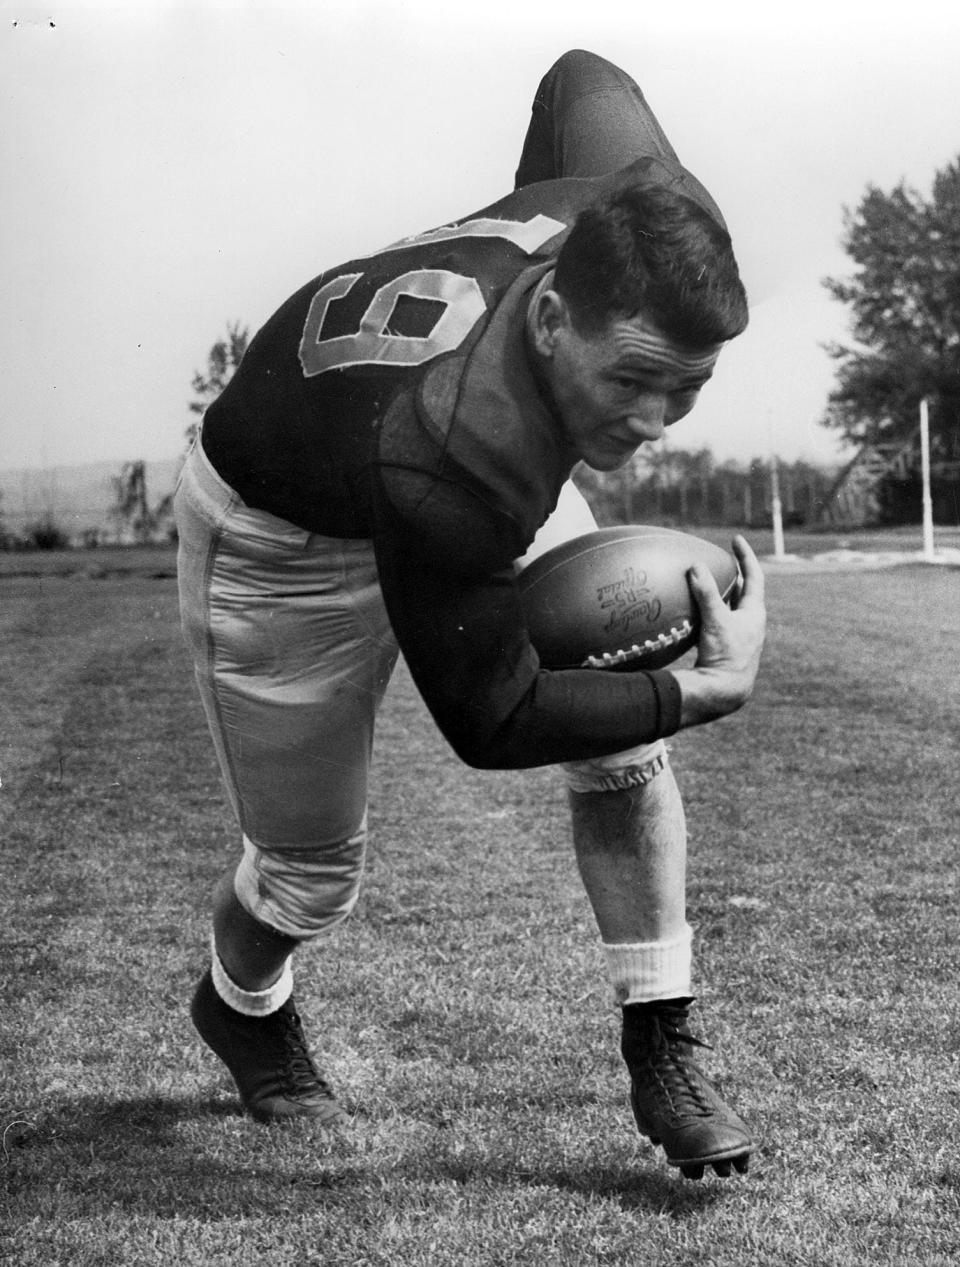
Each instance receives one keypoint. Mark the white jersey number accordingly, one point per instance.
(373, 344)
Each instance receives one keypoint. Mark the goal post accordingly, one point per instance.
(925, 471)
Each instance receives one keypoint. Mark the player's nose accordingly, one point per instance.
(647, 423)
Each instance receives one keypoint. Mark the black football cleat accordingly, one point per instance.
(268, 1059)
(672, 1102)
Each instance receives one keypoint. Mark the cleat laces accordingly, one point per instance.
(677, 1075)
(299, 1074)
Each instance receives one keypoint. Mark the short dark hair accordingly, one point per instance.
(647, 249)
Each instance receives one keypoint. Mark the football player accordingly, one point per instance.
(396, 443)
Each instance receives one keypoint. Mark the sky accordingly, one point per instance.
(167, 166)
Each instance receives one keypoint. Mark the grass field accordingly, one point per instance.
(462, 1012)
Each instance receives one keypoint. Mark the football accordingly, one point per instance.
(619, 598)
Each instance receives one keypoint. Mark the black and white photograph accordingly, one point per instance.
(479, 625)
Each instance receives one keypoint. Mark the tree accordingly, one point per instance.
(131, 508)
(905, 305)
(222, 360)
(46, 534)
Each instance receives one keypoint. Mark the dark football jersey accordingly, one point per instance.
(298, 428)
(392, 398)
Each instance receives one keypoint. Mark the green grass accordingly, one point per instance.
(462, 1012)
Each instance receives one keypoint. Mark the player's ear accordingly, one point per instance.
(549, 318)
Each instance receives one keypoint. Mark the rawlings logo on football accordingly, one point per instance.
(629, 603)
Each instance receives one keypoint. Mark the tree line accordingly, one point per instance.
(689, 487)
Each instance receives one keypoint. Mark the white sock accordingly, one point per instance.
(250, 1002)
(642, 972)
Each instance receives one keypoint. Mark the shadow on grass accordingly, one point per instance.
(195, 1157)
(646, 1188)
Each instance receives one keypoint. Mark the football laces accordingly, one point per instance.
(610, 659)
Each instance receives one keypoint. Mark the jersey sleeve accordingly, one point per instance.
(460, 627)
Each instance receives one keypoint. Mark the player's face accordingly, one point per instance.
(620, 388)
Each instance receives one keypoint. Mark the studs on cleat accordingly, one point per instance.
(695, 1169)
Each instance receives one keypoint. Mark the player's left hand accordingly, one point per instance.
(730, 645)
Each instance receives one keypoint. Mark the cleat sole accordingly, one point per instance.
(739, 1159)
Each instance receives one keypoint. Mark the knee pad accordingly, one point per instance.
(301, 891)
(619, 771)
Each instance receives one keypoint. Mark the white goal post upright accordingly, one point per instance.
(925, 466)
(776, 509)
